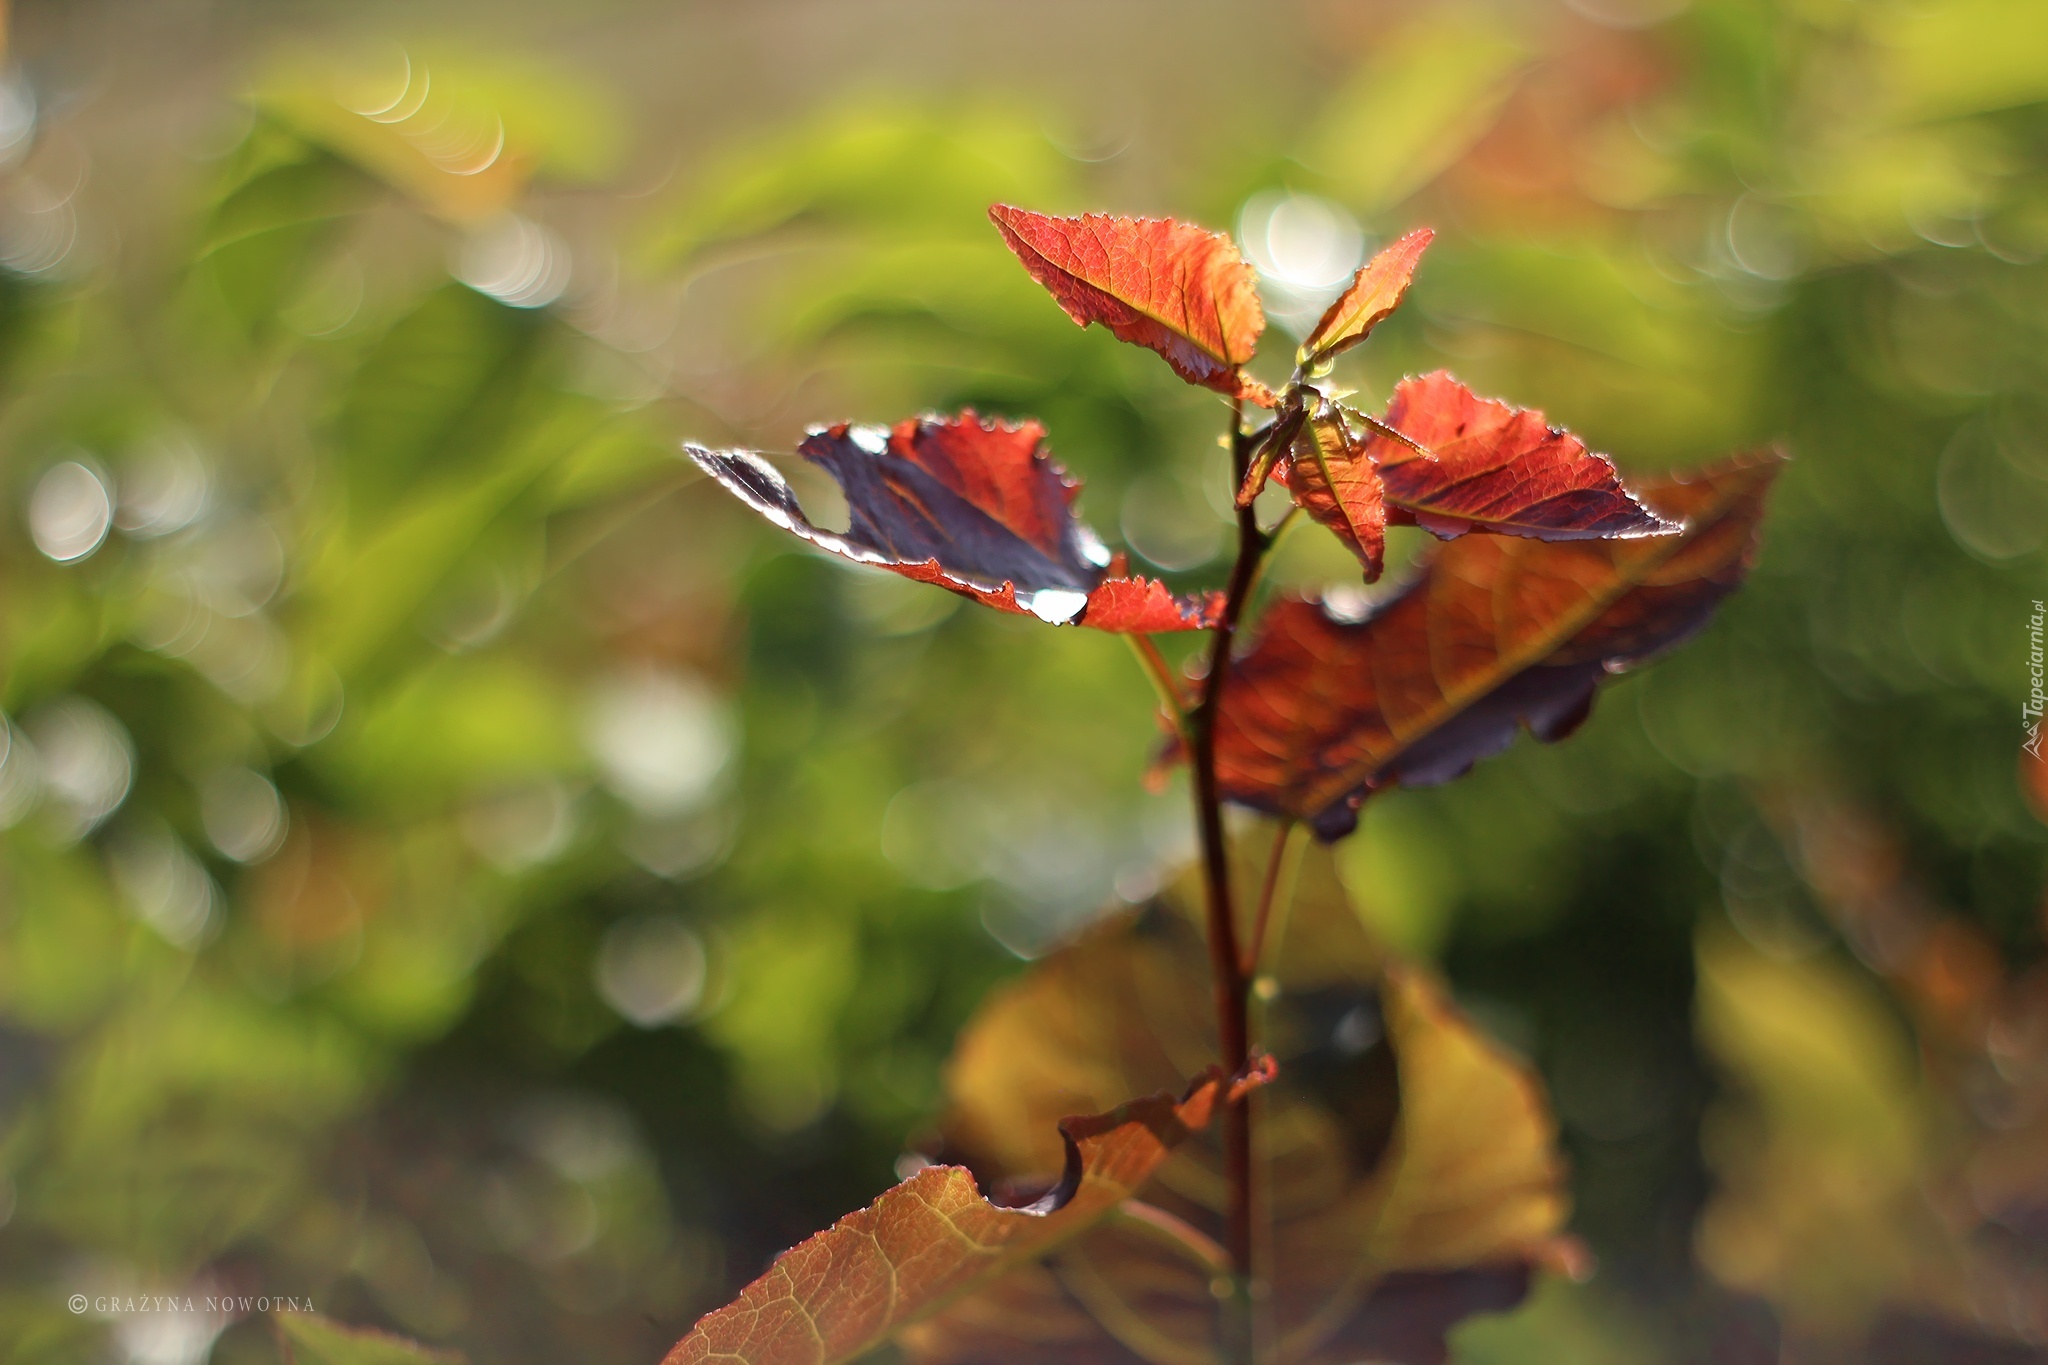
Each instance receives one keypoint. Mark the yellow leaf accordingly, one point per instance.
(1407, 1175)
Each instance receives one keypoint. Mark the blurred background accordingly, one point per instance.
(461, 868)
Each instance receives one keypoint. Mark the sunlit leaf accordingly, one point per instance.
(936, 1237)
(1330, 476)
(974, 506)
(1374, 292)
(1497, 468)
(310, 1339)
(1466, 463)
(1176, 288)
(1406, 1169)
(1494, 635)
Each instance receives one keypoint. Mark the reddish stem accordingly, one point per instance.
(1232, 986)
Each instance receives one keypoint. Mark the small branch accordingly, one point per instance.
(1160, 673)
(1232, 988)
(1289, 519)
(1283, 893)
(1275, 860)
(1175, 1232)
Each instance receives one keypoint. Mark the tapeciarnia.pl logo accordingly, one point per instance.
(2030, 712)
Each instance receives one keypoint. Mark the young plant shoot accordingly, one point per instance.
(1298, 1150)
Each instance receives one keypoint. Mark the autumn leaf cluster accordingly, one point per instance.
(1554, 574)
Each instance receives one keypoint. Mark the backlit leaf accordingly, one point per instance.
(1497, 468)
(1174, 287)
(1405, 1165)
(974, 506)
(1375, 291)
(934, 1238)
(1494, 635)
(1328, 472)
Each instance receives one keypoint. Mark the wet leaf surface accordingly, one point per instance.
(1494, 635)
(934, 1238)
(1406, 1170)
(1171, 286)
(971, 505)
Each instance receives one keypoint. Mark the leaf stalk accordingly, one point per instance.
(1276, 862)
(1170, 1230)
(1160, 674)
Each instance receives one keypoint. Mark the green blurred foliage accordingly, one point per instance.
(458, 868)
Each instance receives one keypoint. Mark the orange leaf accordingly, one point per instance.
(1176, 288)
(934, 1238)
(977, 507)
(1490, 467)
(1407, 1174)
(1494, 635)
(1330, 477)
(1375, 291)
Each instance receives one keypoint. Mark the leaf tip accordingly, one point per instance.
(1262, 1069)
(1375, 291)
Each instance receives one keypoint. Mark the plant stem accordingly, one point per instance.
(1161, 675)
(1275, 861)
(1232, 986)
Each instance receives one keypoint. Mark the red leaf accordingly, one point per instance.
(1330, 477)
(1495, 634)
(933, 1238)
(977, 507)
(1174, 287)
(1375, 291)
(1498, 468)
(1143, 606)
